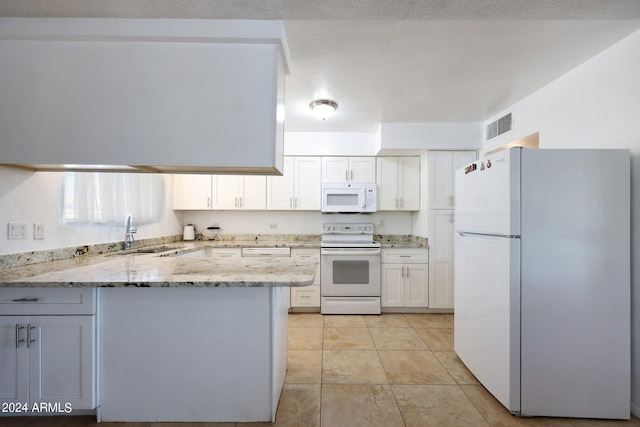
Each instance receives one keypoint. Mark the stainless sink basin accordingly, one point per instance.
(143, 251)
(154, 250)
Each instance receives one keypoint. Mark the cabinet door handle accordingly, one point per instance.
(450, 200)
(346, 175)
(18, 340)
(407, 272)
(241, 202)
(295, 202)
(26, 300)
(401, 202)
(29, 340)
(208, 202)
(351, 174)
(401, 271)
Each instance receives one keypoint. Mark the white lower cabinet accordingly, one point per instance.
(225, 252)
(405, 278)
(307, 296)
(48, 361)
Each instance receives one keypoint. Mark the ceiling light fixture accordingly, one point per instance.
(323, 108)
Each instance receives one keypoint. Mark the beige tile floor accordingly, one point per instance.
(389, 370)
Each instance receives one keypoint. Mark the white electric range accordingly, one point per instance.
(350, 270)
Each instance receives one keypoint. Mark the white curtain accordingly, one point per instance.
(106, 198)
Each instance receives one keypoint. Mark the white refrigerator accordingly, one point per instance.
(542, 280)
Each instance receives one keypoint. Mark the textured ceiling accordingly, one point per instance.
(386, 10)
(400, 61)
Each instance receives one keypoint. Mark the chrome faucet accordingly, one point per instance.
(129, 229)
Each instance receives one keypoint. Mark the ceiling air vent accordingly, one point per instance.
(499, 127)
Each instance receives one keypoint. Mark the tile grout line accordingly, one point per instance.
(321, 369)
(476, 407)
(393, 393)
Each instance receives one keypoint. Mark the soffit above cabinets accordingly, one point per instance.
(388, 61)
(166, 96)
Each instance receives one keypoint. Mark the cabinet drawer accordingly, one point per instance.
(306, 296)
(405, 256)
(226, 252)
(35, 301)
(309, 253)
(306, 253)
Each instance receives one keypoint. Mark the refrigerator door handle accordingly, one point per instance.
(469, 234)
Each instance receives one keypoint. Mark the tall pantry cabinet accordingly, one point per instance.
(442, 167)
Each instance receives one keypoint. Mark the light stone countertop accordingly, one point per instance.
(163, 270)
(103, 266)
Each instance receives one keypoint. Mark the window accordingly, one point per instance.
(106, 198)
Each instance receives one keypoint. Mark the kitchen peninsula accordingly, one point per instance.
(178, 338)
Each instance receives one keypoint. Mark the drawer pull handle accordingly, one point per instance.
(26, 300)
(29, 339)
(18, 340)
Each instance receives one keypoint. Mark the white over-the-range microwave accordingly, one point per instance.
(349, 197)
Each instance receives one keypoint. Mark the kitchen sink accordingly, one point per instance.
(198, 253)
(154, 250)
(144, 251)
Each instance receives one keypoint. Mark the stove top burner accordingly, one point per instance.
(348, 244)
(348, 236)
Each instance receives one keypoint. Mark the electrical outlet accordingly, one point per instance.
(17, 230)
(38, 231)
(273, 226)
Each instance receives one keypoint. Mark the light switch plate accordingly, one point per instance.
(38, 231)
(17, 230)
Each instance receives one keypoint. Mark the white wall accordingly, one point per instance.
(30, 197)
(331, 143)
(596, 105)
(260, 222)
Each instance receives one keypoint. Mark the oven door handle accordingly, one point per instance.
(350, 251)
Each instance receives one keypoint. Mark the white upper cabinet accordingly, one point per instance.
(348, 169)
(442, 167)
(398, 180)
(299, 188)
(231, 192)
(192, 192)
(280, 188)
(143, 95)
(219, 192)
(254, 193)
